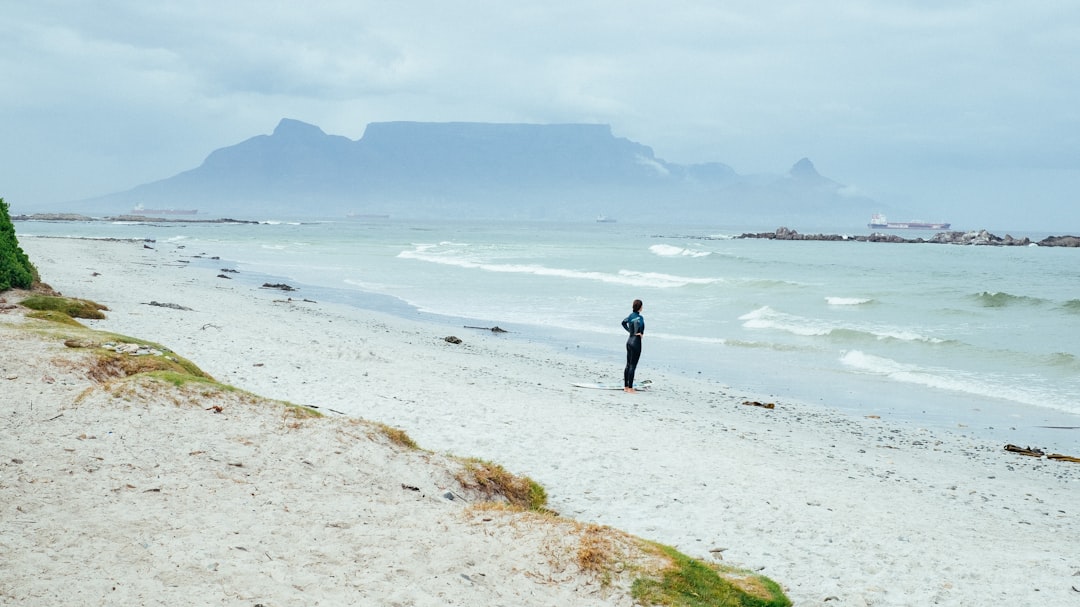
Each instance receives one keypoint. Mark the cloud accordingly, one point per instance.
(119, 92)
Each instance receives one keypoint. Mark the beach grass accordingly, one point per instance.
(73, 307)
(397, 436)
(688, 582)
(492, 480)
(55, 316)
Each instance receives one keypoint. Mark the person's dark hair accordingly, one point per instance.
(637, 305)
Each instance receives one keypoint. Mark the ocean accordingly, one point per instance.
(976, 340)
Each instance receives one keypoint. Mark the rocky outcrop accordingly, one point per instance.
(1060, 241)
(974, 238)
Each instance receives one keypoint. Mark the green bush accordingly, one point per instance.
(16, 272)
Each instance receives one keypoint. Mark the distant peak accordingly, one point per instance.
(803, 168)
(294, 128)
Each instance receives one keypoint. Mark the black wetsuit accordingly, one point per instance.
(634, 324)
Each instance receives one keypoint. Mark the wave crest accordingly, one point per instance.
(768, 318)
(667, 250)
(1001, 299)
(848, 301)
(626, 277)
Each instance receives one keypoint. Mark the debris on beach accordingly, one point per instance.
(1028, 451)
(452, 339)
(168, 305)
(131, 349)
(279, 285)
(755, 403)
(1039, 453)
(495, 329)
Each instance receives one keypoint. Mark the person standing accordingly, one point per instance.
(635, 326)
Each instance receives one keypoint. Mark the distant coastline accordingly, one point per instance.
(138, 218)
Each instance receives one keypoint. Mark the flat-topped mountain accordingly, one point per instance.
(478, 170)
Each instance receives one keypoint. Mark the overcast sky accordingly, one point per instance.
(961, 111)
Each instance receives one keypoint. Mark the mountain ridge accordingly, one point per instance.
(480, 170)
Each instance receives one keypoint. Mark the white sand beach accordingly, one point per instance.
(839, 510)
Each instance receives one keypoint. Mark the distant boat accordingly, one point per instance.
(140, 210)
(604, 219)
(879, 221)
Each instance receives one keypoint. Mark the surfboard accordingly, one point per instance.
(642, 385)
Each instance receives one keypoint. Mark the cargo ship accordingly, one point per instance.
(878, 221)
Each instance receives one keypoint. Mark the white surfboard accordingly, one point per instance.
(642, 385)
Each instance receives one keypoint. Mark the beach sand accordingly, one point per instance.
(839, 510)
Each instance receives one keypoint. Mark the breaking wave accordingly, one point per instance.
(625, 277)
(1001, 299)
(666, 250)
(981, 385)
(768, 318)
(848, 301)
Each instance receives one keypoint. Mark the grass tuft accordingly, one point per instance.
(107, 365)
(596, 551)
(397, 436)
(75, 308)
(54, 316)
(688, 582)
(492, 480)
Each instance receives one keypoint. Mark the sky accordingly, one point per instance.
(960, 111)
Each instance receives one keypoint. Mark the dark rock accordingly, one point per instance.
(974, 238)
(1060, 241)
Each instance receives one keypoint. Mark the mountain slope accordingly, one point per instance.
(479, 170)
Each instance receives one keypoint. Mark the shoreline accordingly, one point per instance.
(839, 510)
(1001, 422)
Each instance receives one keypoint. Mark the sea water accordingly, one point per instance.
(981, 340)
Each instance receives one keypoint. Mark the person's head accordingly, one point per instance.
(637, 305)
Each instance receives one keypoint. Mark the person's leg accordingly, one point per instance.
(633, 354)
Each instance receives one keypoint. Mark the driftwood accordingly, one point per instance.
(755, 403)
(1028, 451)
(495, 329)
(279, 285)
(1036, 452)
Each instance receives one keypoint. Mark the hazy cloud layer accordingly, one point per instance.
(965, 111)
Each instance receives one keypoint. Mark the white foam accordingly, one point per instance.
(847, 301)
(666, 250)
(768, 318)
(626, 277)
(952, 380)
